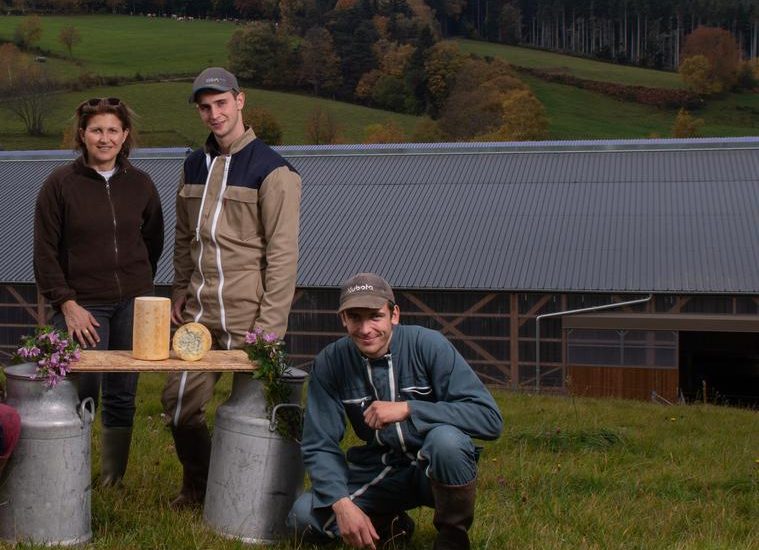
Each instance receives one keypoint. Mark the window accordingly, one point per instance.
(629, 348)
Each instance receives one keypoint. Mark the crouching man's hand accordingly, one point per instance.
(381, 413)
(355, 527)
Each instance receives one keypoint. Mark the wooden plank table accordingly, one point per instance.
(122, 360)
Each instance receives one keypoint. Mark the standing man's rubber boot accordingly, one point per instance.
(394, 530)
(454, 513)
(114, 455)
(193, 444)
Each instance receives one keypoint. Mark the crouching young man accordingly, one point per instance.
(416, 404)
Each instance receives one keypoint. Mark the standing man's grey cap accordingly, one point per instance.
(365, 290)
(214, 78)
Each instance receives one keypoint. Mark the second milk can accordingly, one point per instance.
(255, 474)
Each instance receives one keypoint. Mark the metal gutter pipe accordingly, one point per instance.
(567, 312)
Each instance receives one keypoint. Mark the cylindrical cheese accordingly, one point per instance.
(152, 328)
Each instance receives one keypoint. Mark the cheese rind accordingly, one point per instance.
(151, 328)
(191, 342)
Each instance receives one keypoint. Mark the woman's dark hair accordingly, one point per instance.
(104, 106)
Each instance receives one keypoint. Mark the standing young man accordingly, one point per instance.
(416, 404)
(235, 256)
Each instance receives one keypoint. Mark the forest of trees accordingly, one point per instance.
(641, 32)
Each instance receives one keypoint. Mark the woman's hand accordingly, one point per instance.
(80, 323)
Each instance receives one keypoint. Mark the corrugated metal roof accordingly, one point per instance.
(594, 216)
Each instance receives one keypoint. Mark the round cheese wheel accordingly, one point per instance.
(191, 342)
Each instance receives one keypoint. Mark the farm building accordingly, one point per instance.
(615, 268)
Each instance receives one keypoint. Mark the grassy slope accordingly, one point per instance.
(580, 114)
(167, 119)
(580, 67)
(124, 45)
(570, 117)
(565, 474)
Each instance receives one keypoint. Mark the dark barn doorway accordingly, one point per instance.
(725, 364)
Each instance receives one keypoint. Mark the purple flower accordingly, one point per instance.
(52, 350)
(270, 337)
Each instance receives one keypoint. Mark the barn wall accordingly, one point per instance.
(494, 331)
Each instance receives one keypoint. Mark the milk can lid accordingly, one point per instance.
(295, 374)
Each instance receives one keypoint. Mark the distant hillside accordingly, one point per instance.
(577, 66)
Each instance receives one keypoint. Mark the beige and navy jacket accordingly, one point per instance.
(236, 251)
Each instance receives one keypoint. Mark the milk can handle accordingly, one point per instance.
(273, 418)
(90, 411)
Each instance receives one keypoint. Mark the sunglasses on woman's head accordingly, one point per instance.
(95, 101)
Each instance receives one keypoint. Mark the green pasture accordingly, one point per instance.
(577, 66)
(570, 114)
(566, 474)
(125, 46)
(166, 119)
(581, 114)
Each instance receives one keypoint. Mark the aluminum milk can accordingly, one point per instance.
(46, 488)
(255, 474)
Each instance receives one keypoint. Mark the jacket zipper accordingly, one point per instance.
(115, 237)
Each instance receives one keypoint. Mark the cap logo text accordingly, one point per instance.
(358, 288)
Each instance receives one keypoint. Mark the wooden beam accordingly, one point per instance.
(680, 301)
(26, 305)
(514, 343)
(452, 329)
(532, 313)
(42, 310)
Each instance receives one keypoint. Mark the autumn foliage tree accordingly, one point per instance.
(385, 132)
(719, 47)
(264, 124)
(69, 37)
(523, 118)
(320, 65)
(322, 127)
(262, 55)
(698, 75)
(26, 89)
(475, 105)
(28, 32)
(686, 125)
(441, 65)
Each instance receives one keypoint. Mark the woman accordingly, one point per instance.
(98, 234)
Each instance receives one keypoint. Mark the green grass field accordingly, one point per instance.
(166, 119)
(580, 67)
(566, 474)
(121, 45)
(571, 116)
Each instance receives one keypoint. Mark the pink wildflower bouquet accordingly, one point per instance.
(268, 352)
(53, 351)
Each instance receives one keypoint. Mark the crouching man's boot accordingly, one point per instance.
(115, 454)
(193, 445)
(454, 513)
